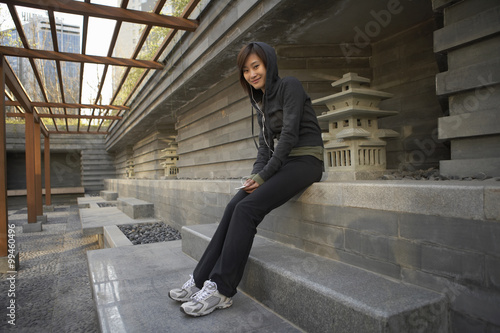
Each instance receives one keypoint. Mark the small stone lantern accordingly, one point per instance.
(354, 145)
(130, 169)
(171, 158)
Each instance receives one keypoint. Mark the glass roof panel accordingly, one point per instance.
(127, 40)
(8, 33)
(111, 3)
(92, 74)
(48, 72)
(23, 71)
(155, 38)
(71, 81)
(69, 31)
(36, 27)
(99, 36)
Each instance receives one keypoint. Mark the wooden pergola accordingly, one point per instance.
(45, 117)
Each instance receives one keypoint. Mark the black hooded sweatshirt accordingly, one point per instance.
(284, 113)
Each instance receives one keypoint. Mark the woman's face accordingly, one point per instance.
(254, 71)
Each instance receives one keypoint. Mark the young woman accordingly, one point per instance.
(284, 112)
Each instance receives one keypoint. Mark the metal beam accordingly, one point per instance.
(108, 12)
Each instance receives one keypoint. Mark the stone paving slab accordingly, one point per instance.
(131, 284)
(52, 292)
(94, 219)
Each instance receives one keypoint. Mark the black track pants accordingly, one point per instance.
(225, 258)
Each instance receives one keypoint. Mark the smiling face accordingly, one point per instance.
(254, 71)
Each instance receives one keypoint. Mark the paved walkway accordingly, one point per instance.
(52, 289)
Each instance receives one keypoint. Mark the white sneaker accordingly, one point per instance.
(184, 294)
(206, 301)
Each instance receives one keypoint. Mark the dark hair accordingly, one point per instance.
(252, 48)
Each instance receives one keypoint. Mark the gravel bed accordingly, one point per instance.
(106, 204)
(431, 174)
(146, 233)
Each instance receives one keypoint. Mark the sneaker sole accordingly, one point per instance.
(182, 300)
(206, 313)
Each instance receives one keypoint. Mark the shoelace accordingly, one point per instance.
(189, 283)
(207, 291)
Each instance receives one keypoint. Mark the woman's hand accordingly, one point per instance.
(250, 185)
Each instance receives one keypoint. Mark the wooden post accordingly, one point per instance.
(30, 166)
(38, 169)
(3, 166)
(46, 160)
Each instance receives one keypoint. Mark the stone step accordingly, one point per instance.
(95, 218)
(136, 208)
(322, 295)
(109, 195)
(130, 286)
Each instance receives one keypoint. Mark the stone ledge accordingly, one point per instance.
(450, 198)
(461, 199)
(108, 195)
(471, 167)
(467, 30)
(340, 297)
(478, 123)
(55, 190)
(469, 77)
(136, 208)
(114, 237)
(95, 219)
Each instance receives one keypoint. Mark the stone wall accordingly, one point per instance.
(76, 159)
(214, 131)
(439, 235)
(405, 65)
(145, 155)
(470, 41)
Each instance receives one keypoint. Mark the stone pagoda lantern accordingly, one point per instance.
(130, 169)
(171, 158)
(354, 145)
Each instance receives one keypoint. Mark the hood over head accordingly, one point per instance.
(272, 76)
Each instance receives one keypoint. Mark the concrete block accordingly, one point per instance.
(32, 227)
(478, 123)
(486, 73)
(439, 260)
(493, 271)
(456, 233)
(467, 30)
(6, 265)
(467, 148)
(114, 237)
(471, 167)
(442, 199)
(492, 203)
(109, 195)
(136, 208)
